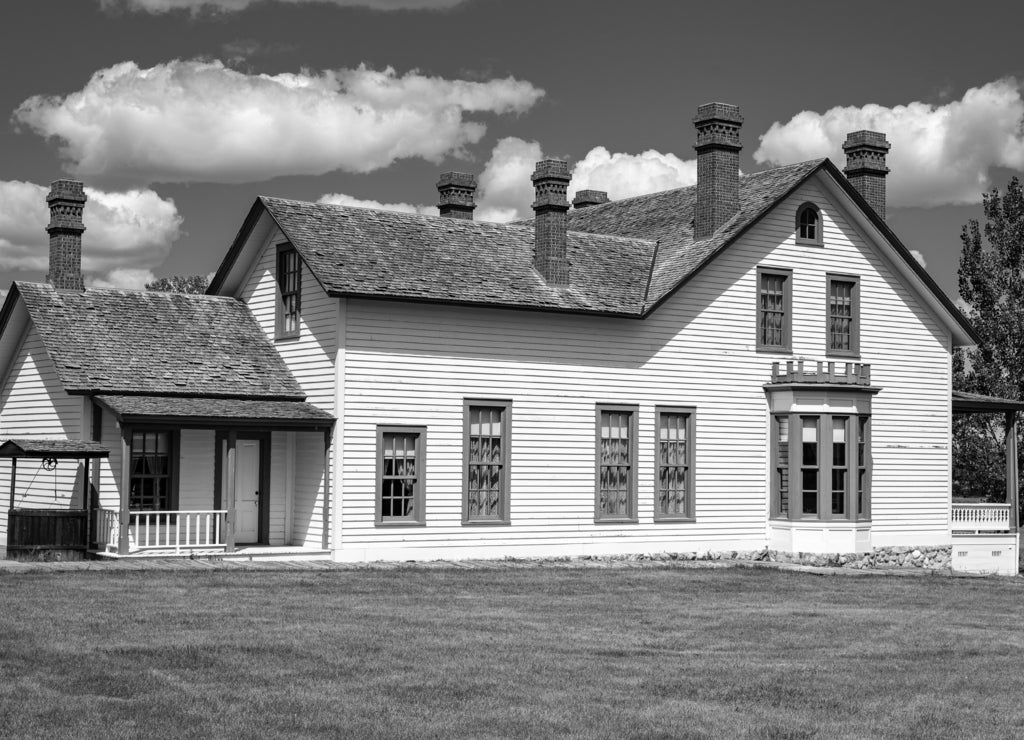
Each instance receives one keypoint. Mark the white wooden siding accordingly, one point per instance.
(308, 514)
(196, 472)
(310, 356)
(34, 404)
(277, 496)
(414, 364)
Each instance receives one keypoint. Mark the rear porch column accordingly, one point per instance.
(126, 482)
(1011, 470)
(229, 493)
(14, 475)
(328, 514)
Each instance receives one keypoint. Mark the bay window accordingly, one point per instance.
(829, 449)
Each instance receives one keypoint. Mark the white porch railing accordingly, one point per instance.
(980, 518)
(162, 530)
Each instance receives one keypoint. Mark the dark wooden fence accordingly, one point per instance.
(48, 534)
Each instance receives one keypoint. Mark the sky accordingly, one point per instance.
(177, 114)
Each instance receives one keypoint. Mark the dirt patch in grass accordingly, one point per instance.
(449, 652)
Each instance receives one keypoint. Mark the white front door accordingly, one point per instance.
(247, 487)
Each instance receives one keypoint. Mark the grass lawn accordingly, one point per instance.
(536, 652)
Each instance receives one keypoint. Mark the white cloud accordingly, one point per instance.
(232, 6)
(919, 257)
(124, 231)
(625, 175)
(940, 154)
(196, 121)
(340, 199)
(506, 190)
(123, 277)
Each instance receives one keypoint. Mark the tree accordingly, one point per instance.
(180, 284)
(991, 281)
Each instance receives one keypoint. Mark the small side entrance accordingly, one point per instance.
(247, 496)
(252, 487)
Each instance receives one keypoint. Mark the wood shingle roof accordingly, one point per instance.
(625, 256)
(146, 342)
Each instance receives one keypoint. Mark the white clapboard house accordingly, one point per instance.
(755, 361)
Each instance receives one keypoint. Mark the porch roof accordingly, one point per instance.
(54, 448)
(199, 411)
(965, 403)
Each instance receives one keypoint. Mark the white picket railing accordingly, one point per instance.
(980, 518)
(105, 529)
(164, 530)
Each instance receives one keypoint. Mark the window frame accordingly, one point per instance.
(787, 299)
(284, 251)
(631, 516)
(854, 351)
(505, 405)
(689, 513)
(817, 239)
(418, 519)
(173, 464)
(854, 512)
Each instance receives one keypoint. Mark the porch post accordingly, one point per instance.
(87, 504)
(1011, 470)
(229, 493)
(14, 474)
(327, 491)
(126, 482)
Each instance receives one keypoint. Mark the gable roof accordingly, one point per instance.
(147, 342)
(626, 256)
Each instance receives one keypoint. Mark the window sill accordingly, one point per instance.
(617, 520)
(810, 242)
(839, 355)
(400, 524)
(774, 350)
(675, 519)
(486, 523)
(286, 337)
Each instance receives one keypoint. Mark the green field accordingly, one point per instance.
(506, 652)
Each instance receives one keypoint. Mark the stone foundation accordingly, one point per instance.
(927, 558)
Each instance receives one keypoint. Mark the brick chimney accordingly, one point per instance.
(456, 191)
(551, 183)
(718, 166)
(66, 201)
(865, 166)
(586, 198)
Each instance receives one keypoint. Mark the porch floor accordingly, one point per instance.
(242, 552)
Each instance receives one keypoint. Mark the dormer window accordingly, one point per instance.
(808, 224)
(289, 283)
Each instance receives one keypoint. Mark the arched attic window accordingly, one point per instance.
(808, 224)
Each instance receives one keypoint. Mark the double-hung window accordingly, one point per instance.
(401, 475)
(616, 464)
(774, 309)
(152, 484)
(486, 455)
(843, 315)
(829, 456)
(674, 457)
(289, 284)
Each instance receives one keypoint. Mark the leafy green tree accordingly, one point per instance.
(992, 287)
(180, 284)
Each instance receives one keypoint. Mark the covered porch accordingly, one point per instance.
(986, 535)
(206, 476)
